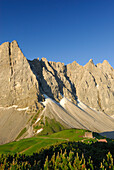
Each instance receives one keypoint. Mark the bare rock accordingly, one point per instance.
(23, 82)
(18, 84)
(94, 85)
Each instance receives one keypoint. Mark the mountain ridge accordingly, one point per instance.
(24, 82)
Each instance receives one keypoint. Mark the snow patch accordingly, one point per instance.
(48, 100)
(63, 101)
(45, 102)
(112, 116)
(14, 106)
(81, 105)
(37, 120)
(20, 109)
(5, 108)
(39, 130)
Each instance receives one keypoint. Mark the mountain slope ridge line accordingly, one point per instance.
(28, 81)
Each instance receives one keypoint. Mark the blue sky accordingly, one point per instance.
(60, 30)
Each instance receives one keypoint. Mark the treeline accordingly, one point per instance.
(71, 162)
(64, 156)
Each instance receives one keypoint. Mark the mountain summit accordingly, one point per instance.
(23, 84)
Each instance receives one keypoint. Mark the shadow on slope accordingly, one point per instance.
(109, 134)
(37, 69)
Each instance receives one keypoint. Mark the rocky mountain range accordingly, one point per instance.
(24, 85)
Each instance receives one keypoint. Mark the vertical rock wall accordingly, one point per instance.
(23, 82)
(18, 84)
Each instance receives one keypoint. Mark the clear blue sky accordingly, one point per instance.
(60, 30)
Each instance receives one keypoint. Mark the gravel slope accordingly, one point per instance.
(79, 116)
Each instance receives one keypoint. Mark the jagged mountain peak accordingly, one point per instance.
(23, 83)
(90, 64)
(4, 44)
(17, 81)
(91, 61)
(75, 63)
(14, 42)
(106, 63)
(54, 78)
(44, 59)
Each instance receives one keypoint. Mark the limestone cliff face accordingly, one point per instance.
(18, 84)
(53, 79)
(24, 82)
(93, 85)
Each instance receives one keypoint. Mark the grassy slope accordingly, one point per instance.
(30, 145)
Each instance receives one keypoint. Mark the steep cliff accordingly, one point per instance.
(18, 84)
(24, 85)
(92, 84)
(23, 82)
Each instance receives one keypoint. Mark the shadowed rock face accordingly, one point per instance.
(93, 85)
(22, 82)
(53, 79)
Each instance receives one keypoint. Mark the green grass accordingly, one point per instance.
(36, 116)
(18, 146)
(31, 145)
(70, 134)
(28, 146)
(43, 143)
(21, 133)
(51, 126)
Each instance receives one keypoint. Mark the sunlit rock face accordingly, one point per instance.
(23, 82)
(18, 84)
(70, 89)
(92, 84)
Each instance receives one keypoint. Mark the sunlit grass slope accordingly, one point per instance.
(31, 145)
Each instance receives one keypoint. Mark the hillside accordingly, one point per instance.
(78, 116)
(34, 144)
(66, 149)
